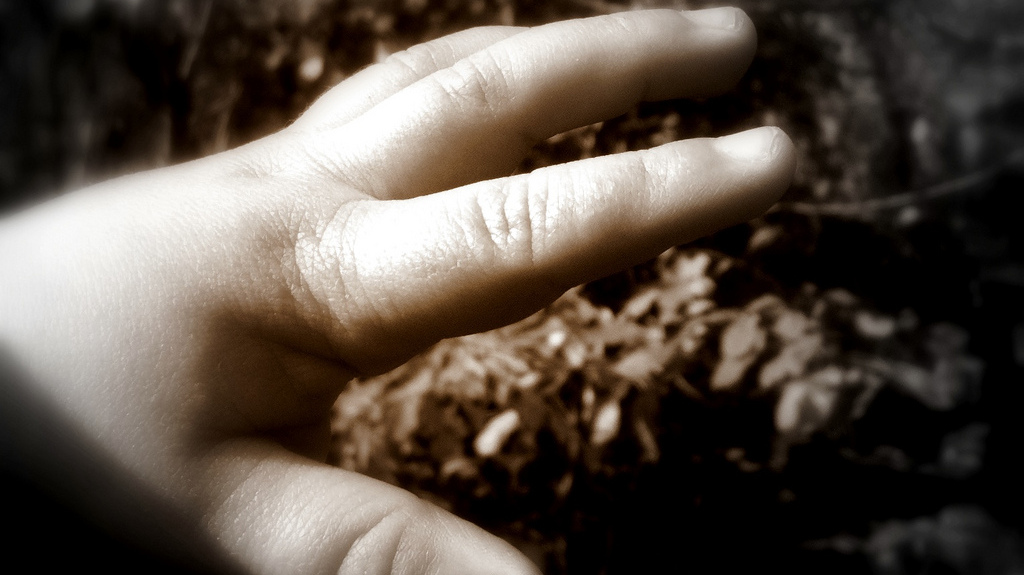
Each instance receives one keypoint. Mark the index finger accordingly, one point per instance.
(372, 85)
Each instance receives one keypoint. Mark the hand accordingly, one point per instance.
(199, 321)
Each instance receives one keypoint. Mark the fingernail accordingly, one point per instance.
(721, 18)
(750, 146)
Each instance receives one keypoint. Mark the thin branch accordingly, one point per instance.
(600, 6)
(192, 48)
(866, 208)
(758, 6)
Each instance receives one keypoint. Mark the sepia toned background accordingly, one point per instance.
(833, 387)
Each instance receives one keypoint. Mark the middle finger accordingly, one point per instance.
(476, 119)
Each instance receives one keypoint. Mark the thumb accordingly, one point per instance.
(277, 512)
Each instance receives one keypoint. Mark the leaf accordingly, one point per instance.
(946, 339)
(699, 306)
(606, 423)
(804, 408)
(963, 451)
(460, 467)
(729, 372)
(768, 301)
(640, 303)
(763, 237)
(791, 361)
(575, 354)
(639, 365)
(496, 432)
(954, 381)
(690, 338)
(743, 337)
(787, 410)
(406, 402)
(874, 326)
(464, 375)
(937, 393)
(648, 443)
(690, 266)
(556, 338)
(840, 297)
(790, 325)
(741, 342)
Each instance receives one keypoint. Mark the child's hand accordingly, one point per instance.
(200, 320)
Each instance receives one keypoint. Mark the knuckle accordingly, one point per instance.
(646, 22)
(315, 162)
(475, 84)
(387, 536)
(401, 62)
(511, 220)
(623, 22)
(417, 59)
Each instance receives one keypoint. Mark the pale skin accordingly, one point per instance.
(199, 321)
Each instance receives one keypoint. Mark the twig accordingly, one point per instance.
(866, 208)
(758, 6)
(601, 6)
(192, 49)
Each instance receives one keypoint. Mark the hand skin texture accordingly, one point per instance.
(199, 321)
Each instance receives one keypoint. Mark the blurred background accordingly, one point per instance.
(833, 387)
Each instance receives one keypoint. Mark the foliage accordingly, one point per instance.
(522, 416)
